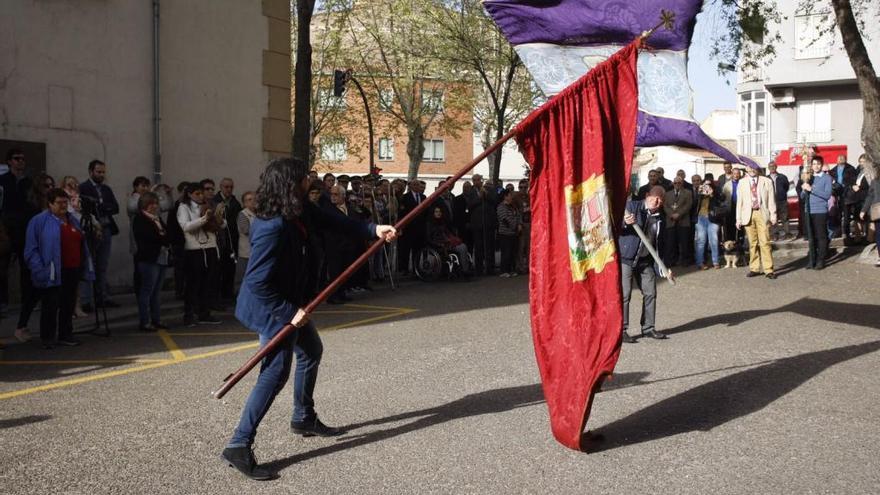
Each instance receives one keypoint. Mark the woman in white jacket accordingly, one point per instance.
(199, 223)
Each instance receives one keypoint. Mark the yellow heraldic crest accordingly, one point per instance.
(590, 240)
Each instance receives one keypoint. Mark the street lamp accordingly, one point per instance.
(340, 79)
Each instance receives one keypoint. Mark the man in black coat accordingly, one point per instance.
(843, 177)
(14, 186)
(781, 185)
(413, 239)
(227, 239)
(97, 198)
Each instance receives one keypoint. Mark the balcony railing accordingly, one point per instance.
(814, 136)
(753, 143)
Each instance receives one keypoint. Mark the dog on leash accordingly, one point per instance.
(731, 257)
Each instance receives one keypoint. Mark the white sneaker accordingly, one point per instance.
(504, 275)
(22, 334)
(514, 274)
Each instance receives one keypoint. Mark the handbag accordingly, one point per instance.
(165, 257)
(875, 212)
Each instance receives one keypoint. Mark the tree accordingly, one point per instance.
(749, 46)
(303, 81)
(473, 42)
(401, 65)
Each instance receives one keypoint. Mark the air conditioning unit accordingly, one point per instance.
(783, 97)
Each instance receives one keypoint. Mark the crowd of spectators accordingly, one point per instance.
(62, 237)
(744, 210)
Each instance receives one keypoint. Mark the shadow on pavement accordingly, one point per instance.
(25, 420)
(488, 402)
(833, 259)
(715, 403)
(864, 315)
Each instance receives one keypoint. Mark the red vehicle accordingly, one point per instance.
(789, 163)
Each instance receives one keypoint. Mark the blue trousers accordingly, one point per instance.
(306, 345)
(151, 275)
(706, 232)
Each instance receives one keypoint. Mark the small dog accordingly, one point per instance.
(731, 257)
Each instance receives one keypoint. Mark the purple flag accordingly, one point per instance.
(561, 40)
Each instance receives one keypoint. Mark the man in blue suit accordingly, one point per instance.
(275, 289)
(636, 262)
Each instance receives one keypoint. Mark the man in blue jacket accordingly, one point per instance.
(816, 194)
(273, 294)
(636, 262)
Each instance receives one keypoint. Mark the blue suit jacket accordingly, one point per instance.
(629, 242)
(266, 300)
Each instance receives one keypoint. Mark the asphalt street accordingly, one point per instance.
(764, 386)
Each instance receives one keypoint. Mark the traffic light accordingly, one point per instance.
(340, 78)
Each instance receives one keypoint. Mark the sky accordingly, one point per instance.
(711, 91)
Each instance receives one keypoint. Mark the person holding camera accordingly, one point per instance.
(98, 199)
(709, 216)
(200, 224)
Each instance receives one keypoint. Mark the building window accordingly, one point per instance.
(814, 121)
(813, 36)
(753, 123)
(386, 100)
(326, 100)
(333, 149)
(432, 100)
(386, 149)
(435, 150)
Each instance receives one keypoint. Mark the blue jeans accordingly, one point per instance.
(101, 257)
(306, 345)
(706, 231)
(151, 275)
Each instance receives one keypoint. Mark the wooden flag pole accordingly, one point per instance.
(288, 329)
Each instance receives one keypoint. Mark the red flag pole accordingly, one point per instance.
(234, 378)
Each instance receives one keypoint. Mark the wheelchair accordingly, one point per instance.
(433, 263)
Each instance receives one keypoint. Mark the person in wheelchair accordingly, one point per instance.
(441, 238)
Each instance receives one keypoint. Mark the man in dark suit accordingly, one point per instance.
(227, 239)
(780, 186)
(636, 262)
(98, 198)
(843, 177)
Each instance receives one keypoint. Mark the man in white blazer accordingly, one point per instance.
(756, 212)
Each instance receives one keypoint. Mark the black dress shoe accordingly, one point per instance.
(771, 276)
(314, 428)
(629, 339)
(242, 458)
(655, 335)
(753, 274)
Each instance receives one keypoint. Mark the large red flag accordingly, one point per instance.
(580, 147)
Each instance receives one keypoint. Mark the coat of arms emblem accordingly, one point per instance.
(590, 239)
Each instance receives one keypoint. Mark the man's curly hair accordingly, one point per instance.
(279, 184)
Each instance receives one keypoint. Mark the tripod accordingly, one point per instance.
(88, 227)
